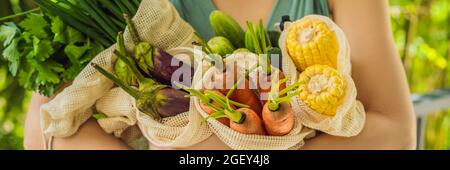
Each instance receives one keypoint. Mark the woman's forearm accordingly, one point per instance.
(32, 134)
(89, 136)
(379, 132)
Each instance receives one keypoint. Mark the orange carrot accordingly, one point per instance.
(242, 94)
(265, 82)
(277, 114)
(251, 123)
(211, 110)
(213, 102)
(243, 120)
(279, 122)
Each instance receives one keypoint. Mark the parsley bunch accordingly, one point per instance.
(44, 53)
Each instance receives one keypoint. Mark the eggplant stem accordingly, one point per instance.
(131, 27)
(133, 92)
(133, 67)
(121, 44)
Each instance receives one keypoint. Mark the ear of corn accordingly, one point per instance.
(323, 89)
(310, 42)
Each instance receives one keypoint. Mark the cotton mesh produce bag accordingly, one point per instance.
(350, 115)
(158, 23)
(235, 140)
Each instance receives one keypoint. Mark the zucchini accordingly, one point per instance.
(241, 50)
(220, 45)
(225, 26)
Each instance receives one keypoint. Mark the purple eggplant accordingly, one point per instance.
(153, 61)
(152, 98)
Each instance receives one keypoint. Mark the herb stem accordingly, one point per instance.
(19, 14)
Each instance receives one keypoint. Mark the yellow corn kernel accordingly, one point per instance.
(311, 42)
(323, 89)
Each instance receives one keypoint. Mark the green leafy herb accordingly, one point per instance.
(7, 32)
(45, 53)
(35, 24)
(12, 55)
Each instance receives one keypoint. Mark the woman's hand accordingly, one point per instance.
(89, 136)
(32, 136)
(379, 78)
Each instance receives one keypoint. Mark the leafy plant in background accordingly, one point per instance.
(45, 53)
(421, 32)
(13, 99)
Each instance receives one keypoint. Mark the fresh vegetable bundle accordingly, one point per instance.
(46, 51)
(250, 119)
(152, 98)
(318, 50)
(247, 102)
(99, 19)
(142, 63)
(313, 89)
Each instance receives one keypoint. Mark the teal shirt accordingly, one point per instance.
(196, 12)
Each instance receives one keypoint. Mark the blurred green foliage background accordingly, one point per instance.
(421, 33)
(422, 37)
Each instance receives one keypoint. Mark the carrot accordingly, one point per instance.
(265, 81)
(279, 122)
(251, 124)
(226, 83)
(243, 120)
(241, 91)
(277, 114)
(223, 79)
(210, 106)
(267, 76)
(211, 111)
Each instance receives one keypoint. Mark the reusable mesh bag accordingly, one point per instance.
(239, 141)
(157, 22)
(350, 115)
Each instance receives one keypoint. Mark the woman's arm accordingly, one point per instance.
(89, 136)
(379, 78)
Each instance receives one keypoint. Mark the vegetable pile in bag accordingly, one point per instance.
(253, 125)
(153, 41)
(319, 52)
(313, 91)
(244, 112)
